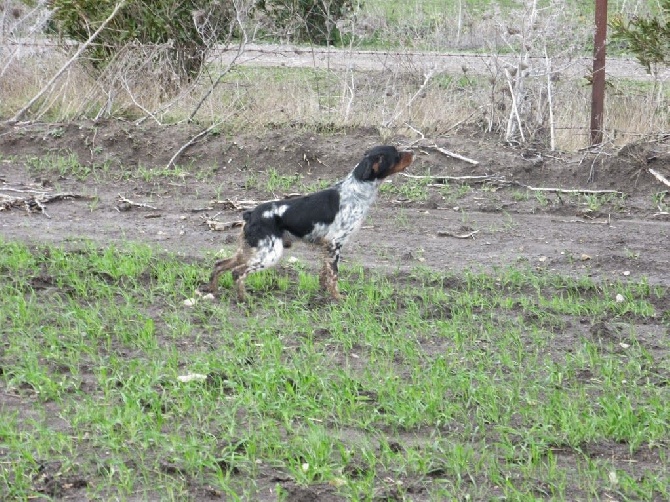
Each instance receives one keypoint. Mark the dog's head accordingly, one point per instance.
(380, 162)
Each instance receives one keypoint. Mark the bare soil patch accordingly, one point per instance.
(608, 238)
(579, 235)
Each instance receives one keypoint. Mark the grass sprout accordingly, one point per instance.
(507, 384)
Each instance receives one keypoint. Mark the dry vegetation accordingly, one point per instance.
(521, 94)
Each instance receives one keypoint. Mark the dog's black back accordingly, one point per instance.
(296, 216)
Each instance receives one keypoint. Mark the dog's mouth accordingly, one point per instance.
(405, 160)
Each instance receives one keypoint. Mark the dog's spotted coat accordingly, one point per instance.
(327, 218)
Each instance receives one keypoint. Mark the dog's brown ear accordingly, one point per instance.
(366, 169)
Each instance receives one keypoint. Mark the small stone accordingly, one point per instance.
(619, 298)
(192, 377)
(584, 257)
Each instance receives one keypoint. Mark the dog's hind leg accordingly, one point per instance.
(224, 265)
(266, 255)
(239, 274)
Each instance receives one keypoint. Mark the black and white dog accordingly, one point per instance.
(326, 218)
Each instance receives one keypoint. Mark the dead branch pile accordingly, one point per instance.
(33, 201)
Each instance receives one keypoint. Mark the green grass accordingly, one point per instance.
(68, 165)
(421, 23)
(65, 165)
(480, 386)
(280, 182)
(409, 188)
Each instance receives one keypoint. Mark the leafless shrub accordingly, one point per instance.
(524, 67)
(141, 84)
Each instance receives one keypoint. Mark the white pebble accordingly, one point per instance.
(191, 377)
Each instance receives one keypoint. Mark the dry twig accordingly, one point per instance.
(446, 233)
(222, 226)
(129, 203)
(659, 177)
(445, 179)
(35, 202)
(455, 155)
(441, 180)
(243, 205)
(190, 142)
(564, 190)
(236, 205)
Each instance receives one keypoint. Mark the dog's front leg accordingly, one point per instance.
(328, 276)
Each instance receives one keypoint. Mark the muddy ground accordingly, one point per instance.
(610, 238)
(605, 238)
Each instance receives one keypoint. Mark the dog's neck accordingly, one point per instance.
(360, 193)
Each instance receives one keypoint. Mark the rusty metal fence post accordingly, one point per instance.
(598, 83)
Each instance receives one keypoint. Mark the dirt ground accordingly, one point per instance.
(607, 238)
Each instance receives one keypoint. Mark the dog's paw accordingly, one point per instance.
(206, 287)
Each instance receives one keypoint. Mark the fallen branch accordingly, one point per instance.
(129, 203)
(222, 226)
(454, 155)
(469, 235)
(441, 180)
(659, 177)
(236, 205)
(444, 151)
(564, 190)
(35, 203)
(190, 142)
(445, 179)
(243, 205)
(20, 190)
(606, 222)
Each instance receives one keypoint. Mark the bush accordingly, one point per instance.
(311, 21)
(648, 39)
(188, 27)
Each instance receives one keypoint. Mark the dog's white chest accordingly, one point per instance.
(356, 198)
